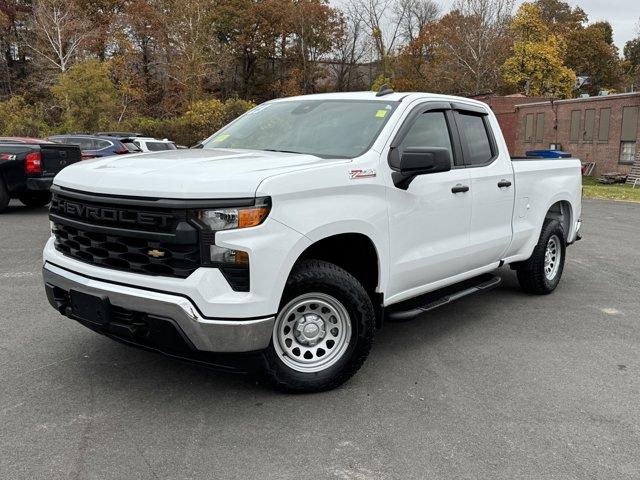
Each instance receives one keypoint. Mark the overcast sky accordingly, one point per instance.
(622, 14)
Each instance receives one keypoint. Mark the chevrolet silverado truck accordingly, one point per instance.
(27, 168)
(300, 227)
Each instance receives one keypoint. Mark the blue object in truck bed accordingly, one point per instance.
(548, 154)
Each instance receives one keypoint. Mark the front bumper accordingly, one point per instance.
(157, 320)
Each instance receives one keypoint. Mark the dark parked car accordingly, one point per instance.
(27, 168)
(94, 146)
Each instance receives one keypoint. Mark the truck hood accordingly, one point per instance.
(202, 173)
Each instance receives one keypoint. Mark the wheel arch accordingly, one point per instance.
(355, 252)
(562, 211)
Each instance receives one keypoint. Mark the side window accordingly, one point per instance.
(430, 129)
(85, 143)
(100, 144)
(474, 134)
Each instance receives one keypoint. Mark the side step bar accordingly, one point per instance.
(414, 307)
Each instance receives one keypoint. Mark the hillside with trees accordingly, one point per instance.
(183, 68)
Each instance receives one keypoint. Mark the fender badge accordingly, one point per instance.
(355, 174)
(155, 253)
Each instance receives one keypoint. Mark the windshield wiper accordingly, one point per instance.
(283, 151)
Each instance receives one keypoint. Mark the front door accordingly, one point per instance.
(429, 221)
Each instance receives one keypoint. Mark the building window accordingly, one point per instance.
(574, 134)
(539, 127)
(629, 134)
(528, 128)
(603, 128)
(589, 123)
(627, 152)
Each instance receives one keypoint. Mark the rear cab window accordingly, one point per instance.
(476, 137)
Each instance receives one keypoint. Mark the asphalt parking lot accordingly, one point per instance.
(496, 386)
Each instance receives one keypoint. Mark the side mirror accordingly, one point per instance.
(416, 161)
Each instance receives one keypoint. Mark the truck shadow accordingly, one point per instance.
(141, 367)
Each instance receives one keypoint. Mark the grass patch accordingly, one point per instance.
(617, 191)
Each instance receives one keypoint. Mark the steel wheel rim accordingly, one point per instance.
(312, 332)
(552, 257)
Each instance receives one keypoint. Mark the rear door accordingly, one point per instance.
(492, 185)
(429, 221)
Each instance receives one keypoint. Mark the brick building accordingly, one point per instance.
(602, 129)
(504, 107)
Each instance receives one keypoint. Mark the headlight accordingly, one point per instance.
(229, 218)
(214, 220)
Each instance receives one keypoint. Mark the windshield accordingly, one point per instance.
(326, 128)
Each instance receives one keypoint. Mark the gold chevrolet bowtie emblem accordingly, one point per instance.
(155, 253)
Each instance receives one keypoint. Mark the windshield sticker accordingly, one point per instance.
(220, 138)
(381, 113)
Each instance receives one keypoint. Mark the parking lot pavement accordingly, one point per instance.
(497, 386)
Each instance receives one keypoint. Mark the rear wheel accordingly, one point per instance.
(4, 195)
(35, 199)
(541, 274)
(323, 331)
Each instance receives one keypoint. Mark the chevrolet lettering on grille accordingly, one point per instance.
(107, 214)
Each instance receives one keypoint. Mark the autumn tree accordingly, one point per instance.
(560, 17)
(58, 32)
(475, 38)
(420, 63)
(194, 57)
(535, 67)
(460, 53)
(100, 15)
(591, 53)
(316, 29)
(631, 64)
(140, 41)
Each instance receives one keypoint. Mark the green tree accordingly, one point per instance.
(87, 96)
(559, 16)
(631, 64)
(535, 66)
(18, 118)
(591, 53)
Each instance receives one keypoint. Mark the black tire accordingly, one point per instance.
(4, 195)
(35, 199)
(312, 277)
(531, 273)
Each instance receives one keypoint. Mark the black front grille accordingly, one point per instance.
(130, 254)
(140, 239)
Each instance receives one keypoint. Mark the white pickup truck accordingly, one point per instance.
(296, 230)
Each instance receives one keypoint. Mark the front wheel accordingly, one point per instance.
(35, 199)
(323, 331)
(541, 274)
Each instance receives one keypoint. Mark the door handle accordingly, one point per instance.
(504, 183)
(459, 188)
